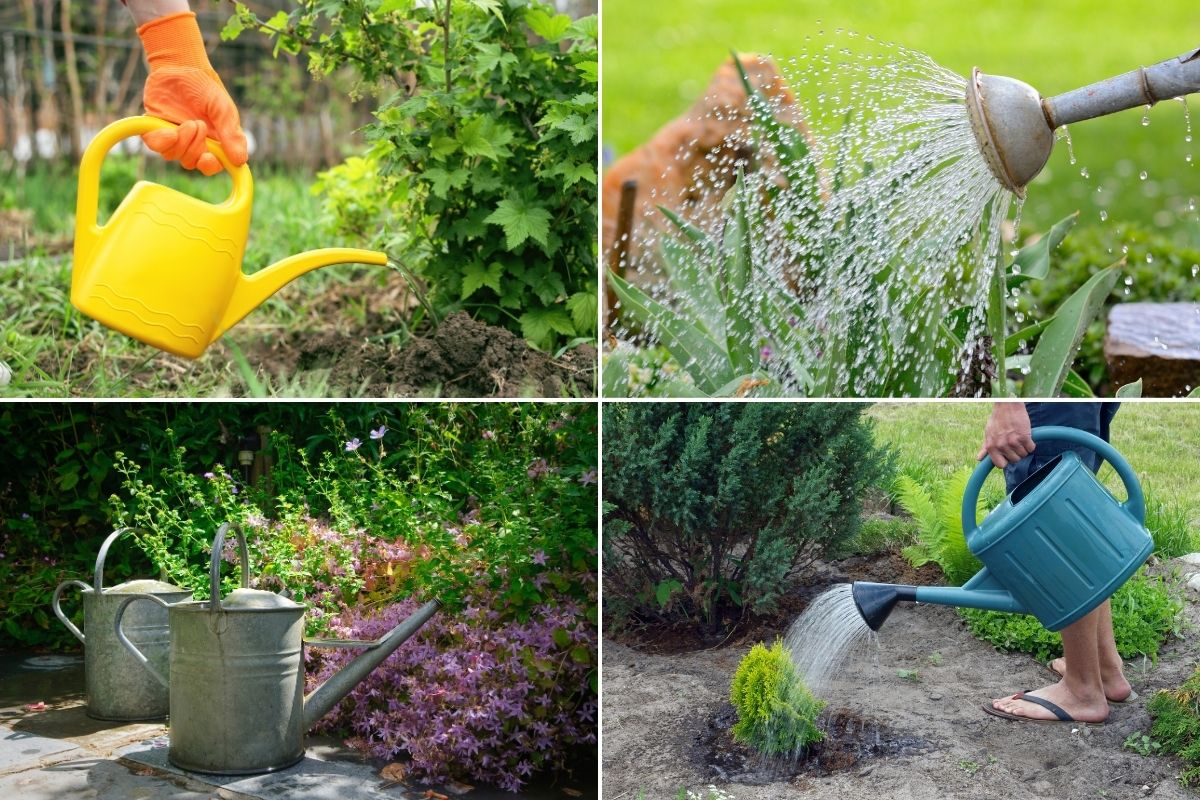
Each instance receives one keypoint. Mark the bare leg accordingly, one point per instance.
(1081, 692)
(1112, 673)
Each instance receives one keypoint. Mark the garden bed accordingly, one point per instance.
(906, 723)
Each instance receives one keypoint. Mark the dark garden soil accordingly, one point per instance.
(462, 357)
(905, 723)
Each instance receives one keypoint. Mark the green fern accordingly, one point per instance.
(938, 517)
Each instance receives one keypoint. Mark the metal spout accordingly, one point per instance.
(322, 699)
(1015, 125)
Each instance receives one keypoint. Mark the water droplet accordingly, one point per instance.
(1084, 172)
(1143, 175)
(1129, 280)
(1145, 120)
(1103, 215)
(1149, 258)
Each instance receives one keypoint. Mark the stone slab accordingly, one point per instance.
(19, 748)
(1156, 342)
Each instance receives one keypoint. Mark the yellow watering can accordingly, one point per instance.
(166, 268)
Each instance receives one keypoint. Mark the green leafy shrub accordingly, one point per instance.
(483, 147)
(1158, 269)
(1144, 612)
(777, 714)
(710, 507)
(1176, 726)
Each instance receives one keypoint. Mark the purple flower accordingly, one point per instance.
(588, 478)
(489, 435)
(353, 445)
(540, 558)
(379, 432)
(210, 475)
(765, 353)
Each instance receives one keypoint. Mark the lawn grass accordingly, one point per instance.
(657, 58)
(53, 351)
(1160, 440)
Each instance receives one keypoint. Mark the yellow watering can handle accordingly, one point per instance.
(87, 205)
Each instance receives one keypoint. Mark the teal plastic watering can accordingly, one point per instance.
(1056, 548)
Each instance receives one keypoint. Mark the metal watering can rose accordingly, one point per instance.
(237, 674)
(1014, 125)
(1056, 548)
(117, 687)
(166, 268)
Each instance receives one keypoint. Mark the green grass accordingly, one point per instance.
(659, 56)
(1158, 439)
(54, 351)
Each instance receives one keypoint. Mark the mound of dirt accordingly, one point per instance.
(463, 357)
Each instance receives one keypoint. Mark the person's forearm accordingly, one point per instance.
(145, 10)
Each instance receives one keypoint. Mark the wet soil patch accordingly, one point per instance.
(851, 742)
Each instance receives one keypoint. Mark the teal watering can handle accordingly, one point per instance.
(214, 575)
(1136, 504)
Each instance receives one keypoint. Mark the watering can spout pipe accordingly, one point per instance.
(252, 290)
(1144, 86)
(322, 699)
(875, 601)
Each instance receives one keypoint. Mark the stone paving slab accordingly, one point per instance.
(311, 778)
(19, 748)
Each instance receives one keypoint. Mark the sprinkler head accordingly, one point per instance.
(875, 601)
(1011, 127)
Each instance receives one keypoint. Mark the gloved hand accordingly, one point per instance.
(183, 88)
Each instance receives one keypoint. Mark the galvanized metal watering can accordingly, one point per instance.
(1014, 125)
(117, 687)
(237, 675)
(1056, 548)
(166, 268)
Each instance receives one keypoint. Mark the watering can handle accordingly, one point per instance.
(58, 612)
(98, 576)
(215, 568)
(130, 646)
(1135, 504)
(87, 205)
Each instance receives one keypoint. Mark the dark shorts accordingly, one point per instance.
(1094, 418)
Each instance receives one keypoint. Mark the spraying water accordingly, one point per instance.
(824, 638)
(899, 225)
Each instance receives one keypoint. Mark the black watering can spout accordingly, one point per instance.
(875, 601)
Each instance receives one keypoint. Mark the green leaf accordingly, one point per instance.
(572, 173)
(1058, 344)
(442, 181)
(492, 7)
(540, 324)
(1013, 343)
(521, 220)
(664, 591)
(1194, 393)
(234, 25)
(561, 636)
(1033, 261)
(1131, 390)
(550, 27)
(584, 306)
(585, 28)
(476, 276)
(1076, 386)
(581, 654)
(739, 264)
(701, 357)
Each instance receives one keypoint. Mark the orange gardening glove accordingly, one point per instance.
(183, 88)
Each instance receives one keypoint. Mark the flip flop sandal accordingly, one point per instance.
(1128, 698)
(1062, 716)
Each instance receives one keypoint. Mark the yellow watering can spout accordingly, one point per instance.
(252, 290)
(166, 268)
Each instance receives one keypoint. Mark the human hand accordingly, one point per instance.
(183, 88)
(1008, 436)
